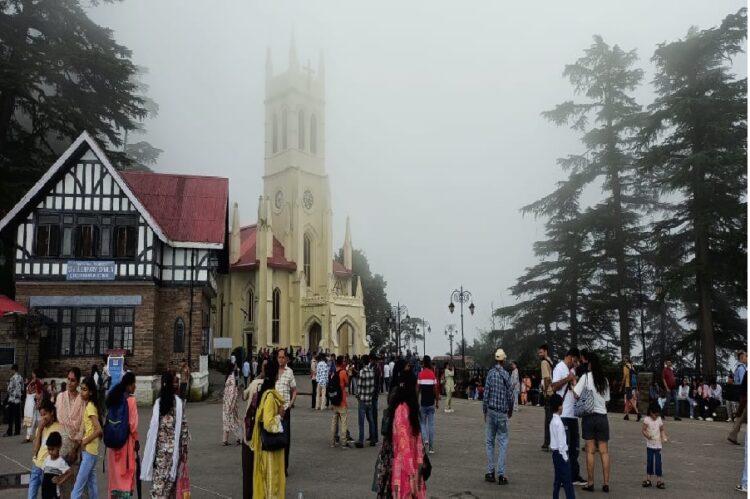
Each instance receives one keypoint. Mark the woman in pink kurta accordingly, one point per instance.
(408, 452)
(121, 462)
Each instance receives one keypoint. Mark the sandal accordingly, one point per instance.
(225, 443)
(660, 485)
(588, 488)
(646, 483)
(605, 488)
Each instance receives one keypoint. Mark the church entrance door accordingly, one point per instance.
(344, 338)
(315, 335)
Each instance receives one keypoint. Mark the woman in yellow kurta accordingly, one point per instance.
(269, 479)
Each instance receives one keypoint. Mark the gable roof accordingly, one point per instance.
(80, 145)
(188, 208)
(248, 261)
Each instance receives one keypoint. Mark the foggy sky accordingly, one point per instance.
(434, 134)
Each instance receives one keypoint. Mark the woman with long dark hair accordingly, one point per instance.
(169, 432)
(121, 462)
(595, 426)
(230, 418)
(408, 451)
(269, 478)
(92, 432)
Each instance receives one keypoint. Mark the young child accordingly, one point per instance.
(56, 470)
(558, 444)
(653, 430)
(47, 425)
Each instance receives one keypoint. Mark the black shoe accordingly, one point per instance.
(588, 488)
(373, 443)
(502, 480)
(545, 448)
(626, 418)
(677, 419)
(489, 477)
(605, 488)
(359, 445)
(639, 417)
(580, 481)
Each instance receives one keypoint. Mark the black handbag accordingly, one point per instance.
(386, 427)
(426, 469)
(272, 441)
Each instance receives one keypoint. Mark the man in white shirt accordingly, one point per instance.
(563, 381)
(286, 385)
(246, 370)
(387, 376)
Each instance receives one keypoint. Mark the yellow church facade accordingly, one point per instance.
(284, 288)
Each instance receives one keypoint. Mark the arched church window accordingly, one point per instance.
(179, 335)
(313, 134)
(284, 130)
(276, 316)
(275, 133)
(250, 306)
(301, 130)
(307, 257)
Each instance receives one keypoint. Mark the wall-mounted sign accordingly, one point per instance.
(90, 271)
(222, 343)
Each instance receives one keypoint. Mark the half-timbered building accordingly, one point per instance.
(119, 260)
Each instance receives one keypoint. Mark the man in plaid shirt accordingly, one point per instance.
(365, 397)
(498, 409)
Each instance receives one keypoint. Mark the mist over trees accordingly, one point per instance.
(657, 266)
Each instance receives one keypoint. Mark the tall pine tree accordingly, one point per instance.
(697, 155)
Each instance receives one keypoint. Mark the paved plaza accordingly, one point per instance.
(698, 463)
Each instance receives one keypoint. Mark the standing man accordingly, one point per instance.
(630, 383)
(546, 368)
(15, 393)
(429, 396)
(287, 387)
(365, 396)
(387, 375)
(184, 380)
(314, 379)
(321, 377)
(254, 367)
(246, 370)
(498, 409)
(340, 410)
(563, 381)
(740, 377)
(670, 385)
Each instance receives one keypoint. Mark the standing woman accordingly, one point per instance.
(34, 392)
(69, 407)
(515, 384)
(229, 415)
(92, 432)
(121, 462)
(408, 451)
(169, 431)
(269, 478)
(595, 426)
(450, 385)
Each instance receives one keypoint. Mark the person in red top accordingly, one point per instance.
(341, 410)
(429, 394)
(670, 385)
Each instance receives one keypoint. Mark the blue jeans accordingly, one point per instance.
(562, 476)
(35, 482)
(86, 479)
(428, 425)
(653, 460)
(672, 397)
(366, 411)
(496, 427)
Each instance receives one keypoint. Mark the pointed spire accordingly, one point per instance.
(293, 61)
(235, 242)
(358, 294)
(260, 249)
(321, 69)
(269, 63)
(269, 229)
(348, 246)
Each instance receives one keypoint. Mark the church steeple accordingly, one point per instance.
(348, 246)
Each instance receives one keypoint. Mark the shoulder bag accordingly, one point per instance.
(585, 403)
(271, 441)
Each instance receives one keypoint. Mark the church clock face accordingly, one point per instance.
(307, 200)
(279, 201)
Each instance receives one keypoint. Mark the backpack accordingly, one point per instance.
(252, 410)
(117, 425)
(633, 377)
(333, 389)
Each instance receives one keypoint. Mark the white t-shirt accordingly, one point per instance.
(386, 370)
(391, 365)
(600, 401)
(653, 429)
(561, 372)
(55, 466)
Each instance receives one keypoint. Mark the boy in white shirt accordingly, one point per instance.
(56, 470)
(558, 444)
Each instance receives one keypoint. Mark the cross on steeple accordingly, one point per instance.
(309, 70)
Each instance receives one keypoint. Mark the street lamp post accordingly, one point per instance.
(397, 312)
(426, 328)
(449, 333)
(462, 296)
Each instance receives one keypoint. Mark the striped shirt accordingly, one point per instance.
(366, 385)
(497, 393)
(284, 385)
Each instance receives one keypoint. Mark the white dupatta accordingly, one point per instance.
(147, 466)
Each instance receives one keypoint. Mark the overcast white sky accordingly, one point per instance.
(434, 135)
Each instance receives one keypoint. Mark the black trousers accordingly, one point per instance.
(14, 419)
(547, 419)
(574, 444)
(314, 392)
(247, 471)
(288, 430)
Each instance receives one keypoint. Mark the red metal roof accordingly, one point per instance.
(247, 259)
(8, 306)
(340, 270)
(188, 208)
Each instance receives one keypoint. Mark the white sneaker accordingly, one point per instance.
(740, 488)
(714, 414)
(691, 417)
(709, 419)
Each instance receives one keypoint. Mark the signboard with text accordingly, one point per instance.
(90, 271)
(116, 368)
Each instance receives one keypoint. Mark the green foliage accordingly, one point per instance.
(61, 74)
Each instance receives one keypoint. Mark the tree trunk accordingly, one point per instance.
(705, 305)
